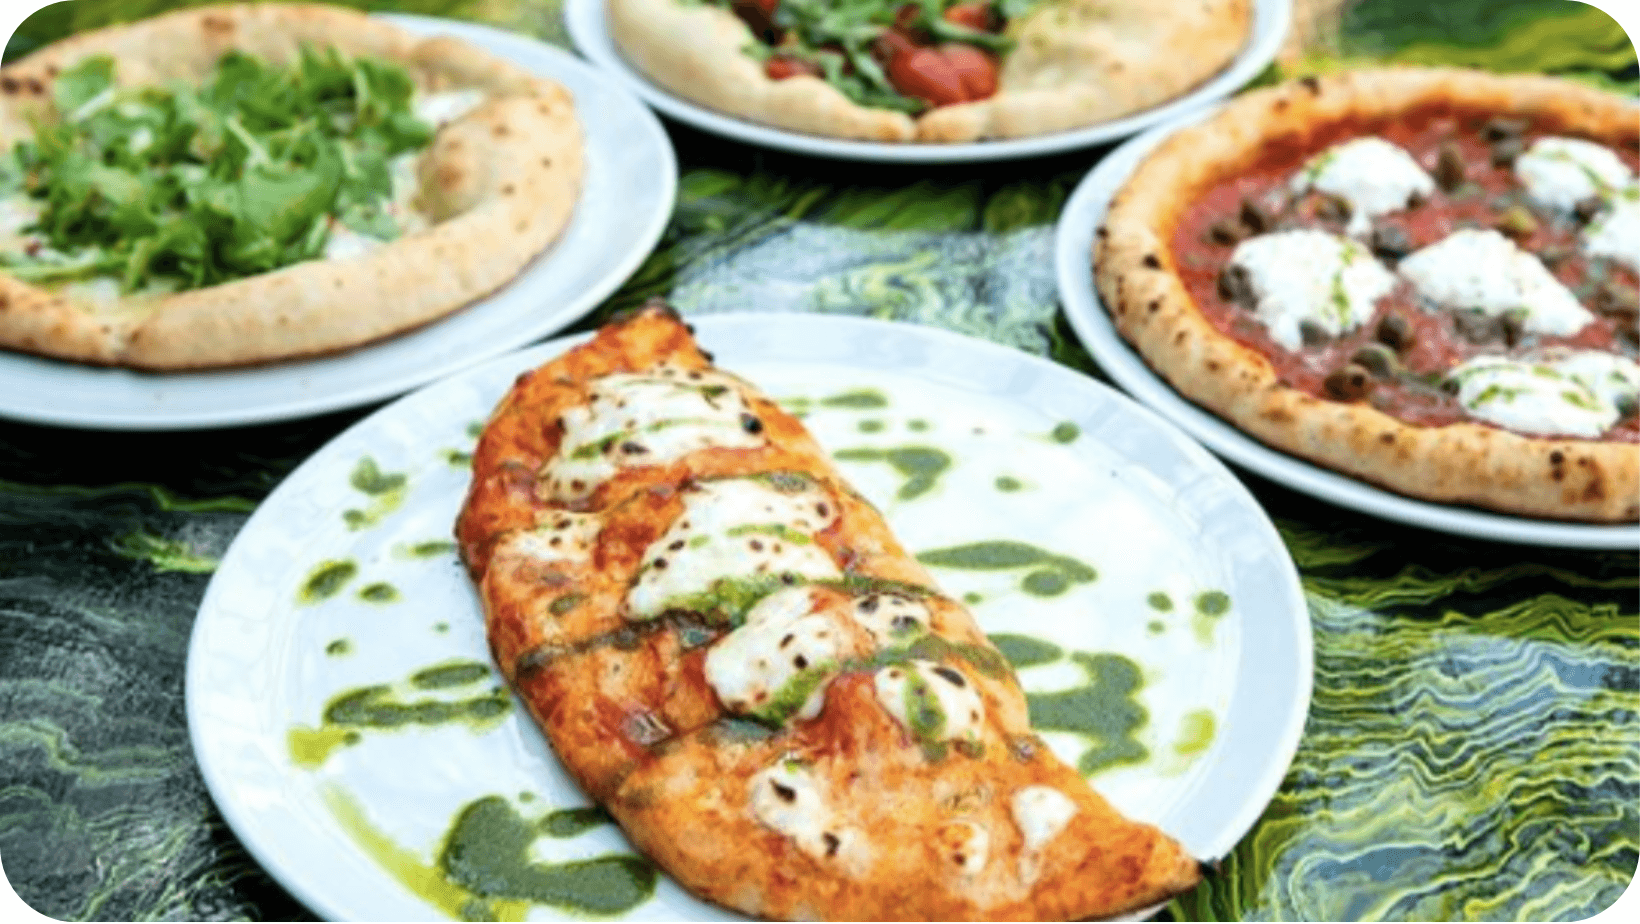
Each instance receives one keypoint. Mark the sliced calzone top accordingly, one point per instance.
(729, 651)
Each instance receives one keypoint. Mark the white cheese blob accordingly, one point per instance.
(787, 798)
(933, 701)
(735, 529)
(891, 618)
(647, 419)
(966, 844)
(1306, 275)
(1374, 176)
(1576, 395)
(778, 662)
(1483, 270)
(437, 109)
(561, 536)
(1615, 232)
(1560, 172)
(345, 243)
(1041, 812)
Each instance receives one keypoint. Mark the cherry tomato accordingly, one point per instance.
(976, 16)
(976, 70)
(767, 6)
(779, 67)
(944, 75)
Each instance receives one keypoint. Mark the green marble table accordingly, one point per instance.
(1471, 752)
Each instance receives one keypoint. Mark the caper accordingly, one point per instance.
(1450, 170)
(1505, 150)
(1235, 286)
(1586, 208)
(1390, 242)
(1501, 127)
(1396, 332)
(1351, 383)
(1477, 327)
(1333, 208)
(1517, 222)
(1253, 217)
(1312, 333)
(1378, 359)
(1225, 232)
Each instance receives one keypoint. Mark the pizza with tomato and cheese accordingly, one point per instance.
(731, 652)
(1424, 278)
(238, 184)
(932, 70)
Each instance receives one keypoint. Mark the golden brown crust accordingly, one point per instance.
(1077, 63)
(627, 705)
(1464, 463)
(500, 184)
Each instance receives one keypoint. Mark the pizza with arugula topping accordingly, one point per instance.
(730, 651)
(931, 70)
(239, 184)
(1423, 278)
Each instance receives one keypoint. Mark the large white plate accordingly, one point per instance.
(589, 28)
(1117, 488)
(626, 198)
(1073, 249)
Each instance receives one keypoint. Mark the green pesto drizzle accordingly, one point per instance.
(379, 592)
(1049, 575)
(860, 399)
(431, 548)
(1065, 432)
(920, 466)
(871, 426)
(1008, 484)
(786, 701)
(450, 674)
(340, 646)
(385, 707)
(457, 458)
(1160, 602)
(1022, 651)
(1196, 731)
(326, 580)
(917, 425)
(1105, 710)
(561, 605)
(1210, 606)
(386, 488)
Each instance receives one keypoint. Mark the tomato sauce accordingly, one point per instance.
(1490, 196)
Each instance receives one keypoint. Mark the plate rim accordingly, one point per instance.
(1276, 754)
(302, 394)
(587, 27)
(1084, 211)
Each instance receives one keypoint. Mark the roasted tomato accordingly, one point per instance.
(944, 75)
(779, 67)
(976, 16)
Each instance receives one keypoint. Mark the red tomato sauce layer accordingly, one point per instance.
(1489, 196)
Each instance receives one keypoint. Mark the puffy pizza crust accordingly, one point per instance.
(1464, 463)
(1078, 62)
(500, 184)
(627, 706)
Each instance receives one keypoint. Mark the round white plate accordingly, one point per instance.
(1094, 476)
(628, 188)
(589, 28)
(1083, 213)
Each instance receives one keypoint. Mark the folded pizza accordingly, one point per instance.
(730, 651)
(935, 70)
(230, 185)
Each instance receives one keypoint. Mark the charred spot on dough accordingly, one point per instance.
(1312, 84)
(1387, 437)
(1154, 306)
(1152, 261)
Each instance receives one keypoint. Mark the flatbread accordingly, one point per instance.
(821, 804)
(500, 184)
(1463, 463)
(1077, 63)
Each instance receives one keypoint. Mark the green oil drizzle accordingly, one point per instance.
(860, 399)
(1210, 606)
(386, 488)
(972, 598)
(921, 466)
(871, 426)
(1065, 432)
(326, 580)
(1022, 651)
(339, 646)
(383, 707)
(379, 592)
(457, 458)
(431, 548)
(1048, 575)
(1160, 602)
(1106, 711)
(1155, 627)
(917, 425)
(1007, 484)
(487, 854)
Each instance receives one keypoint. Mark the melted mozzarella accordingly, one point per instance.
(1575, 395)
(1615, 233)
(784, 650)
(1299, 276)
(931, 700)
(787, 798)
(1560, 172)
(1374, 176)
(561, 536)
(1484, 270)
(437, 109)
(1041, 812)
(891, 618)
(646, 419)
(734, 529)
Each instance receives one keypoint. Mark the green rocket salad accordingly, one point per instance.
(181, 187)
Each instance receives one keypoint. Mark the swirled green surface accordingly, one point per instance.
(1471, 751)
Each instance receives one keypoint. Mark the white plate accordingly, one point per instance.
(1083, 213)
(1150, 510)
(627, 194)
(589, 28)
